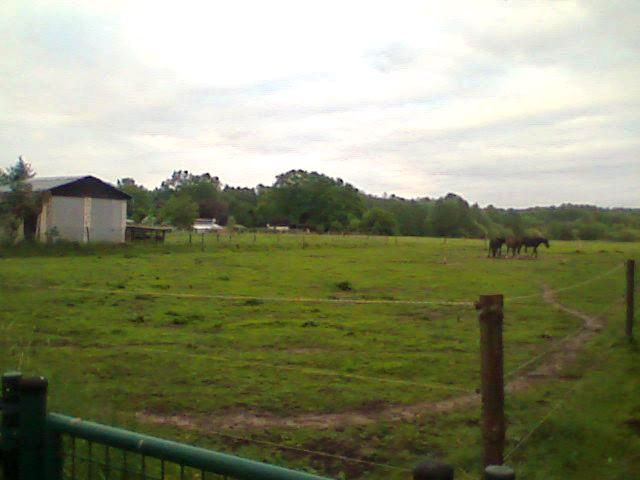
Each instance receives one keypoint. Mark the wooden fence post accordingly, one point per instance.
(492, 373)
(631, 270)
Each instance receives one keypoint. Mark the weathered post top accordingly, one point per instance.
(34, 385)
(487, 301)
(499, 472)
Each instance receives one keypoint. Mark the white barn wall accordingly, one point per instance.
(107, 220)
(84, 219)
(66, 215)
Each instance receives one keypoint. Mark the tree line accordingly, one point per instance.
(316, 202)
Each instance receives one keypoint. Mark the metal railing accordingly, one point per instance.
(37, 445)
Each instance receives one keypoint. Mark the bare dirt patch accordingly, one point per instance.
(552, 367)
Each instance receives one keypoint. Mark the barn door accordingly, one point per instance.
(30, 226)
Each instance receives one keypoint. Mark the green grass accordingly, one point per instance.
(144, 328)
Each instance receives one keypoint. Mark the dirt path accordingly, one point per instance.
(553, 366)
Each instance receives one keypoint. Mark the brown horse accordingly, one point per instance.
(534, 242)
(495, 246)
(514, 244)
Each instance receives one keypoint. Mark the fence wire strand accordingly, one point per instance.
(314, 371)
(570, 287)
(541, 422)
(346, 301)
(555, 344)
(320, 372)
(308, 451)
(561, 402)
(334, 301)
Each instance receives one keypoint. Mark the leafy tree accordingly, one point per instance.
(513, 221)
(590, 230)
(379, 222)
(310, 199)
(243, 205)
(20, 202)
(451, 217)
(353, 224)
(140, 205)
(20, 172)
(203, 189)
(180, 211)
(410, 214)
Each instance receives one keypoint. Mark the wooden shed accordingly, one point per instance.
(81, 209)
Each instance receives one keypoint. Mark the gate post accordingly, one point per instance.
(9, 452)
(631, 270)
(33, 415)
(492, 373)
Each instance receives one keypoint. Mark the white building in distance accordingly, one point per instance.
(80, 209)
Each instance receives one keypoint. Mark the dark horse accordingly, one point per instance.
(495, 246)
(514, 244)
(534, 242)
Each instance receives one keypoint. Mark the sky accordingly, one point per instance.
(509, 103)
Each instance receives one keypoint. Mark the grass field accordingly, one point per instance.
(254, 344)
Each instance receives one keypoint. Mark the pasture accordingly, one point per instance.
(341, 355)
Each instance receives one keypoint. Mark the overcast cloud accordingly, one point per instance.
(506, 103)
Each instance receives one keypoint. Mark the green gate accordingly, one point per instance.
(36, 445)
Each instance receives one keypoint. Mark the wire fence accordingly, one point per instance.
(510, 375)
(346, 301)
(557, 343)
(307, 451)
(348, 375)
(560, 402)
(85, 461)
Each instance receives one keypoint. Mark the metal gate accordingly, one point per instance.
(36, 445)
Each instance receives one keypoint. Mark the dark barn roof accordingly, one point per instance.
(82, 186)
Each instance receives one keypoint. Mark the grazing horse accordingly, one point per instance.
(495, 246)
(514, 244)
(534, 242)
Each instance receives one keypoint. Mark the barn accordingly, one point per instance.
(80, 209)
